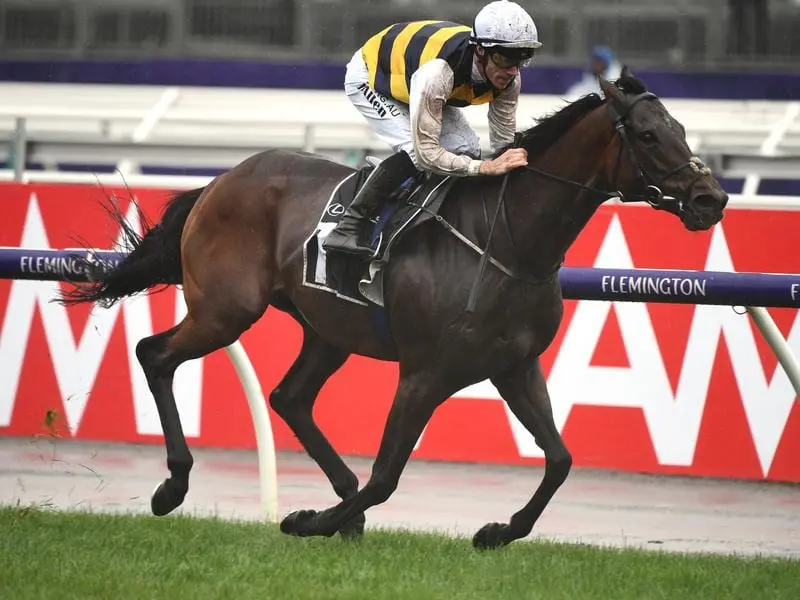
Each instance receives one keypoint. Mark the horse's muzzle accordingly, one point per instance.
(704, 210)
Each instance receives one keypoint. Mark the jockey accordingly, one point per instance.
(410, 80)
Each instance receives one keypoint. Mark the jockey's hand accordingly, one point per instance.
(507, 161)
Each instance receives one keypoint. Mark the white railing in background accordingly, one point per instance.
(217, 127)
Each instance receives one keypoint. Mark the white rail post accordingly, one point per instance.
(267, 468)
(167, 99)
(19, 148)
(766, 325)
(309, 144)
(770, 145)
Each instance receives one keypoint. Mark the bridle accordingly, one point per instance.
(653, 193)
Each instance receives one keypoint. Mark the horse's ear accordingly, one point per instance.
(625, 73)
(611, 91)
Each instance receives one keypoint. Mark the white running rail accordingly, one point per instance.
(265, 443)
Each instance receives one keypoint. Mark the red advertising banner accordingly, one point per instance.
(640, 387)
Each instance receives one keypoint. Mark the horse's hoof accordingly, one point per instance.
(491, 536)
(354, 528)
(299, 522)
(165, 499)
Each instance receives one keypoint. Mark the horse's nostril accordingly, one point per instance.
(709, 202)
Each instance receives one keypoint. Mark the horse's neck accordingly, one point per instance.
(546, 216)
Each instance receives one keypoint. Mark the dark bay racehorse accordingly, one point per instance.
(235, 246)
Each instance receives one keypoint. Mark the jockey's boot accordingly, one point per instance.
(351, 234)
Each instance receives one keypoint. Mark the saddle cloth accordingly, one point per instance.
(350, 277)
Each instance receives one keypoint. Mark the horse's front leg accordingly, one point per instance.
(417, 397)
(525, 391)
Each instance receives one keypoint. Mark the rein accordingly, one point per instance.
(473, 294)
(653, 195)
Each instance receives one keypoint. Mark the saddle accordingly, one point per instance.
(350, 277)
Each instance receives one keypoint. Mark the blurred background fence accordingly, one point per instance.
(716, 34)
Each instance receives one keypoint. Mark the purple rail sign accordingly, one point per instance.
(681, 287)
(53, 265)
(578, 283)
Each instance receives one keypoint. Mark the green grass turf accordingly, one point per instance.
(63, 555)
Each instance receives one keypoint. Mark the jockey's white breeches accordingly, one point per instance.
(391, 121)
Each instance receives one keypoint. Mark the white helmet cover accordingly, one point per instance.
(505, 24)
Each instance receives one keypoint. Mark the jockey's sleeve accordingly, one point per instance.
(431, 86)
(503, 116)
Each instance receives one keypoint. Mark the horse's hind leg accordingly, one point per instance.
(294, 399)
(525, 392)
(160, 355)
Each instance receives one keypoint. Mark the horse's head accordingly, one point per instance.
(654, 158)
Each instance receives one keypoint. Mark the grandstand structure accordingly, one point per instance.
(682, 33)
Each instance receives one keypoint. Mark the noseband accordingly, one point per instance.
(653, 194)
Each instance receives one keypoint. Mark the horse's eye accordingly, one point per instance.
(648, 137)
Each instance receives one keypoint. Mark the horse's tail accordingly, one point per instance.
(152, 260)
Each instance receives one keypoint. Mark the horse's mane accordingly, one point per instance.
(550, 128)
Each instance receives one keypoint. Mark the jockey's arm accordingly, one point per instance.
(503, 116)
(431, 86)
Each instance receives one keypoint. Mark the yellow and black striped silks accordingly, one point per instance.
(394, 54)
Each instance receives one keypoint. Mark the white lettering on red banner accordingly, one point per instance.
(76, 363)
(688, 379)
(673, 419)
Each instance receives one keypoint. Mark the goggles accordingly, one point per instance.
(505, 58)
